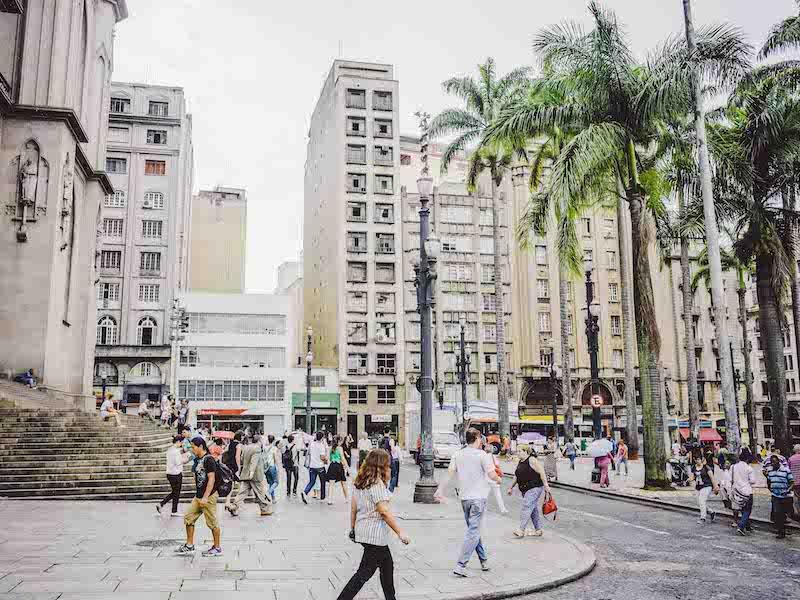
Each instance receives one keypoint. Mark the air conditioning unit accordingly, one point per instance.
(361, 371)
(380, 337)
(608, 235)
(382, 370)
(147, 203)
(362, 189)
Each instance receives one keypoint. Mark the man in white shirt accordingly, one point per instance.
(175, 461)
(317, 459)
(107, 411)
(474, 469)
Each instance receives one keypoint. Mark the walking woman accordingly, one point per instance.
(175, 461)
(741, 490)
(232, 458)
(603, 463)
(531, 480)
(498, 494)
(705, 483)
(370, 521)
(364, 447)
(347, 448)
(550, 459)
(338, 471)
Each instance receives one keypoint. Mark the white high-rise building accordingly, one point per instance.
(144, 231)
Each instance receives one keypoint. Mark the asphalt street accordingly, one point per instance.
(651, 554)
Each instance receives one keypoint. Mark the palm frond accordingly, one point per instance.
(782, 37)
(467, 89)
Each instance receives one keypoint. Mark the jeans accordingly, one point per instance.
(702, 500)
(312, 479)
(744, 519)
(571, 458)
(473, 515)
(781, 507)
(175, 482)
(272, 480)
(530, 509)
(394, 480)
(292, 473)
(622, 461)
(374, 558)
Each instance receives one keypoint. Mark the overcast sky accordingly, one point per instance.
(252, 70)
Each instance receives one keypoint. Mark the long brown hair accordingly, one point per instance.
(374, 468)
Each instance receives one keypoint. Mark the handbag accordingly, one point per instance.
(549, 506)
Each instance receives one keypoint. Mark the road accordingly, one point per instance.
(652, 554)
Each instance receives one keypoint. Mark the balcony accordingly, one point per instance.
(383, 155)
(150, 272)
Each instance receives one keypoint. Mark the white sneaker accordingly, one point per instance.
(330, 502)
(176, 514)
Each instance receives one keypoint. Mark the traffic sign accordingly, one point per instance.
(596, 401)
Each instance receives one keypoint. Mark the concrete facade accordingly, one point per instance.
(144, 234)
(218, 248)
(56, 61)
(353, 278)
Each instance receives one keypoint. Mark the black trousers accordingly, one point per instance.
(292, 473)
(374, 558)
(781, 508)
(175, 482)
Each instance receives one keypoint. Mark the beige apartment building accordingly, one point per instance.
(56, 62)
(352, 271)
(218, 245)
(144, 236)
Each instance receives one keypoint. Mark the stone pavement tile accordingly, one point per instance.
(61, 585)
(144, 595)
(206, 595)
(291, 592)
(25, 596)
(89, 572)
(276, 575)
(9, 582)
(141, 584)
(217, 585)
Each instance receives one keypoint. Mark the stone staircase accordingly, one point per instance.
(48, 454)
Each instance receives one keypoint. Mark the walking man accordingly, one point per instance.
(780, 483)
(317, 459)
(251, 478)
(291, 464)
(271, 459)
(175, 462)
(571, 451)
(474, 469)
(204, 502)
(794, 467)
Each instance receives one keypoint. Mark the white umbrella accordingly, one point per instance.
(599, 448)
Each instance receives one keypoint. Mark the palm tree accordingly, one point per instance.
(613, 103)
(483, 99)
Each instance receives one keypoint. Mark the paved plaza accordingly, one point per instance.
(122, 550)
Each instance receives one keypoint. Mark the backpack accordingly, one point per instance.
(386, 444)
(224, 478)
(286, 458)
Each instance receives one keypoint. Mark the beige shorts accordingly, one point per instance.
(209, 512)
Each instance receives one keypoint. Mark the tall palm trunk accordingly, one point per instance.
(649, 339)
(628, 332)
(714, 256)
(566, 366)
(791, 250)
(502, 400)
(748, 371)
(770, 320)
(688, 328)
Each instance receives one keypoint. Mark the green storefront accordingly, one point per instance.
(325, 412)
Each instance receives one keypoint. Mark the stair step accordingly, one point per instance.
(88, 445)
(136, 487)
(85, 472)
(120, 497)
(61, 484)
(95, 462)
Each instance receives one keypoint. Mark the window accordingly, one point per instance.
(356, 154)
(382, 100)
(356, 364)
(456, 301)
(384, 243)
(613, 292)
(150, 262)
(616, 325)
(357, 301)
(154, 200)
(405, 160)
(384, 272)
(487, 245)
(416, 361)
(116, 165)
(207, 389)
(489, 332)
(487, 217)
(456, 214)
(357, 271)
(788, 362)
(148, 292)
(608, 228)
(383, 155)
(384, 184)
(546, 357)
(611, 259)
(119, 134)
(386, 394)
(146, 332)
(384, 302)
(357, 182)
(356, 241)
(111, 259)
(151, 229)
(158, 109)
(120, 105)
(155, 167)
(588, 257)
(541, 255)
(145, 369)
(356, 99)
(106, 372)
(386, 364)
(357, 394)
(543, 288)
(356, 126)
(544, 322)
(384, 213)
(572, 358)
(115, 200)
(246, 324)
(385, 332)
(787, 338)
(791, 385)
(157, 136)
(489, 302)
(616, 358)
(383, 128)
(569, 324)
(586, 226)
(106, 331)
(108, 292)
(357, 333)
(112, 228)
(487, 273)
(357, 212)
(458, 271)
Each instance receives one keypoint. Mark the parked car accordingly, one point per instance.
(445, 444)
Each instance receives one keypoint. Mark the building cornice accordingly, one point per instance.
(150, 150)
(50, 113)
(90, 174)
(144, 119)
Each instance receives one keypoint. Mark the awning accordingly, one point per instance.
(543, 419)
(706, 435)
(221, 412)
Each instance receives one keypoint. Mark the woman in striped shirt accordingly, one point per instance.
(370, 521)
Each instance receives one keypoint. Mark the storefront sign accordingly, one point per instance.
(381, 418)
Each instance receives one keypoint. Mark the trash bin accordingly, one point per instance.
(583, 444)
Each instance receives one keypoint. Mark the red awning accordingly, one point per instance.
(221, 412)
(706, 435)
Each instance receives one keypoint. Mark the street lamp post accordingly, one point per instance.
(309, 360)
(592, 338)
(462, 365)
(425, 276)
(103, 377)
(554, 374)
